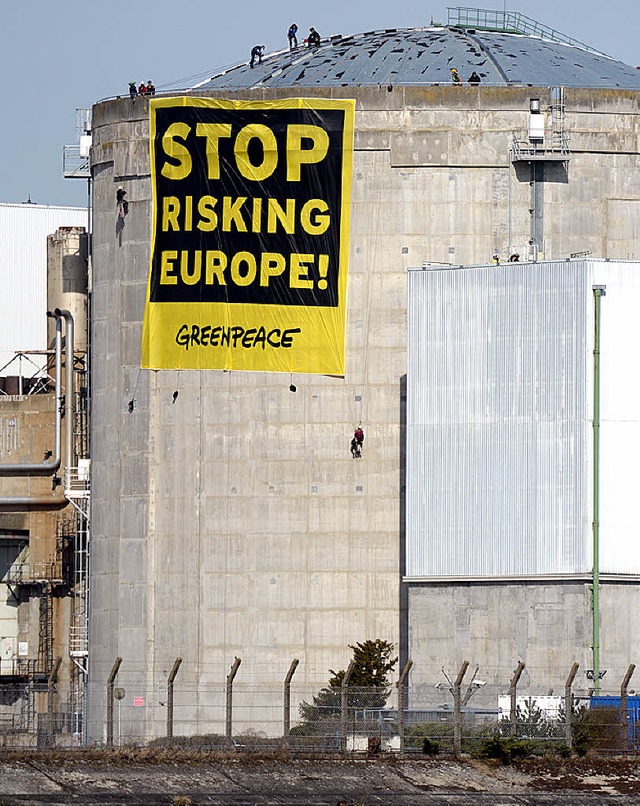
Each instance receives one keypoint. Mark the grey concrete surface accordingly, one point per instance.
(314, 783)
(234, 522)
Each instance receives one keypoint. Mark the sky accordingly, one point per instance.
(58, 57)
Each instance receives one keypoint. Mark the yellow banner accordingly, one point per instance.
(251, 208)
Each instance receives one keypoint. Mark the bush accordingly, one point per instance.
(430, 747)
(207, 741)
(441, 735)
(598, 729)
(506, 750)
(562, 750)
(417, 735)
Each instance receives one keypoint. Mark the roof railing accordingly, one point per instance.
(509, 22)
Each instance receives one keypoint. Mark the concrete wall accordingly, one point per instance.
(548, 626)
(233, 521)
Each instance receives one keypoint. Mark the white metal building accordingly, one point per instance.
(23, 269)
(500, 420)
(501, 457)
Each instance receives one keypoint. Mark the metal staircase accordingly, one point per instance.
(558, 135)
(77, 483)
(45, 629)
(79, 629)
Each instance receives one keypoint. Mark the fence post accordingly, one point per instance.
(344, 702)
(568, 705)
(624, 741)
(230, 677)
(457, 708)
(470, 688)
(51, 690)
(513, 687)
(170, 679)
(110, 684)
(400, 685)
(286, 726)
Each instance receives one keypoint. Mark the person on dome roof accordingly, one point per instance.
(291, 36)
(455, 76)
(256, 53)
(313, 40)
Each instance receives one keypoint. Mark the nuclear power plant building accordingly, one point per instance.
(355, 236)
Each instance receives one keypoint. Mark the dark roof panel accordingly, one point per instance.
(426, 56)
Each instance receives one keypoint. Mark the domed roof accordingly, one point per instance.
(422, 56)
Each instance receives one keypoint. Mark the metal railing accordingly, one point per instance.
(509, 22)
(31, 376)
(554, 147)
(77, 482)
(74, 164)
(16, 667)
(28, 573)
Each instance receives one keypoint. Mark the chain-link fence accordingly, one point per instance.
(452, 715)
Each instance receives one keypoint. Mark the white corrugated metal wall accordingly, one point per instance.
(496, 454)
(23, 271)
(499, 420)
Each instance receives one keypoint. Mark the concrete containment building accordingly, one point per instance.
(228, 516)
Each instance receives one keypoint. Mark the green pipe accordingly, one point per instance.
(598, 293)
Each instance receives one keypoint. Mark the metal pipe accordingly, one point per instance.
(23, 503)
(69, 401)
(54, 463)
(598, 292)
(511, 169)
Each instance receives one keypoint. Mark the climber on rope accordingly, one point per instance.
(357, 442)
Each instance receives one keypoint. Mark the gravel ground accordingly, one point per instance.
(113, 779)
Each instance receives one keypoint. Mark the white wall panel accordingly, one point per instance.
(23, 273)
(620, 416)
(497, 453)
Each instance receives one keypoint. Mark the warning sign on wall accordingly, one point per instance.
(250, 234)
